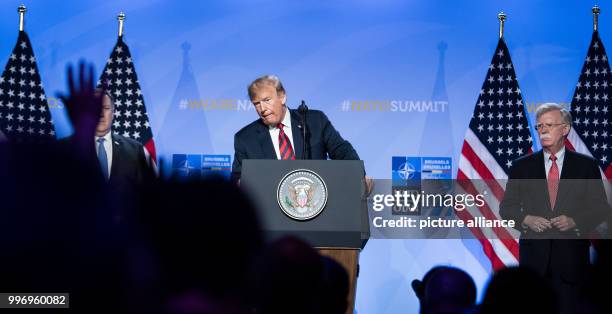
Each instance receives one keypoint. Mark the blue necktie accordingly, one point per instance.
(102, 158)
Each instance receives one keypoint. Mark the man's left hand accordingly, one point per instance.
(369, 185)
(563, 223)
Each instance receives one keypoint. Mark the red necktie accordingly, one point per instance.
(553, 181)
(286, 151)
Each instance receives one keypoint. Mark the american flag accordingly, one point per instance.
(24, 113)
(498, 134)
(592, 109)
(120, 79)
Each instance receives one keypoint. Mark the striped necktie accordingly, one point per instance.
(286, 151)
(553, 181)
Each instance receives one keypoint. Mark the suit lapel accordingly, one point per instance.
(568, 159)
(566, 174)
(539, 165)
(116, 143)
(297, 133)
(263, 137)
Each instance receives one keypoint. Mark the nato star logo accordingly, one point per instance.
(406, 171)
(187, 166)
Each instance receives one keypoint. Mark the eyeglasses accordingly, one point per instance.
(547, 126)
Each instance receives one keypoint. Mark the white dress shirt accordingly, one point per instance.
(274, 131)
(108, 146)
(548, 163)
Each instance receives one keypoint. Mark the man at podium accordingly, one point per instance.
(278, 133)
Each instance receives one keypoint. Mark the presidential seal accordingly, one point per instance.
(302, 194)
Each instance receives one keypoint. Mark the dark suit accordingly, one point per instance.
(565, 262)
(129, 172)
(129, 166)
(254, 141)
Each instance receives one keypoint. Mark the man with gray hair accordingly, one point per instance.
(277, 134)
(556, 198)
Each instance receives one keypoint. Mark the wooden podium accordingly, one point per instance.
(349, 258)
(341, 229)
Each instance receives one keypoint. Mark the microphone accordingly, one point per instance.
(303, 109)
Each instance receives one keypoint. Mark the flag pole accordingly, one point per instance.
(22, 10)
(502, 17)
(595, 18)
(120, 18)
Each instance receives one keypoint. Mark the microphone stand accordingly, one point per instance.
(303, 109)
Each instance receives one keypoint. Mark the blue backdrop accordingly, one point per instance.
(397, 78)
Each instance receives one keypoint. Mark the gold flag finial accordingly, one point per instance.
(595, 17)
(22, 10)
(502, 17)
(120, 18)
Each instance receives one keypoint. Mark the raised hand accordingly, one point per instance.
(83, 104)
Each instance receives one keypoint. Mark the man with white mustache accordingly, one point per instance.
(556, 197)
